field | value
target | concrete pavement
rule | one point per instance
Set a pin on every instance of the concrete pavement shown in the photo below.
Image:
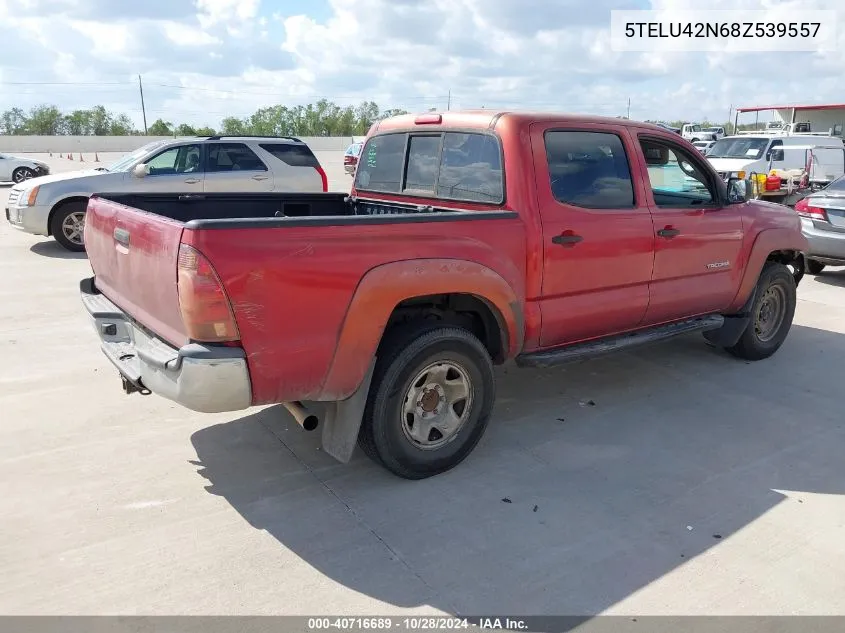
(670, 480)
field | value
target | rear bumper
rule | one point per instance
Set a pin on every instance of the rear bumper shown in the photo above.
(206, 378)
(827, 247)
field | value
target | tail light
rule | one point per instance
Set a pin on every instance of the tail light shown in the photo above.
(206, 311)
(805, 210)
(323, 177)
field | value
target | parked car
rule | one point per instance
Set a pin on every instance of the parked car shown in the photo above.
(55, 205)
(694, 132)
(703, 146)
(676, 130)
(823, 224)
(715, 132)
(18, 169)
(468, 239)
(350, 158)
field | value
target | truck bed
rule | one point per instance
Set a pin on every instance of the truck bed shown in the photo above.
(234, 207)
(289, 278)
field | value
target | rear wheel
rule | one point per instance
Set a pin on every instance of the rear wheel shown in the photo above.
(22, 173)
(771, 315)
(814, 267)
(430, 400)
(68, 225)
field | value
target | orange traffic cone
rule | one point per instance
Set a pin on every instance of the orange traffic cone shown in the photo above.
(81, 160)
(96, 158)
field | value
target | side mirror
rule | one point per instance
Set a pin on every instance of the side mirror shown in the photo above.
(140, 170)
(777, 154)
(739, 191)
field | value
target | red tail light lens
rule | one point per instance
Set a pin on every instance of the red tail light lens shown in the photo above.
(206, 311)
(323, 177)
(804, 209)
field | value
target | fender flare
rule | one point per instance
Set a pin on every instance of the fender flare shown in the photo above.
(384, 287)
(766, 242)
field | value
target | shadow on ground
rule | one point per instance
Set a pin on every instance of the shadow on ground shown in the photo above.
(834, 277)
(603, 465)
(53, 249)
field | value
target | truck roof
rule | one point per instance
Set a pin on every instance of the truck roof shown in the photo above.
(495, 119)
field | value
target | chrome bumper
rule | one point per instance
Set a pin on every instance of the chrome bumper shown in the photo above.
(206, 378)
(34, 219)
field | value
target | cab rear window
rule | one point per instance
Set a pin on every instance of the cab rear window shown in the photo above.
(463, 166)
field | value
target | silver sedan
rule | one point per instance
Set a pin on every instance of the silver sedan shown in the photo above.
(823, 224)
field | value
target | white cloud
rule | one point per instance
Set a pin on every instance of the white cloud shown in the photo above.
(204, 59)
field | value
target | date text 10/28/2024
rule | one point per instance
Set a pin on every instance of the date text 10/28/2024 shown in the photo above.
(420, 623)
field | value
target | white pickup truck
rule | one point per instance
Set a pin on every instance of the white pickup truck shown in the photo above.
(694, 132)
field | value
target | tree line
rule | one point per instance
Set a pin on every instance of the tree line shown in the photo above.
(323, 118)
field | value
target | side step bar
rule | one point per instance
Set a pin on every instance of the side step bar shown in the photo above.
(589, 349)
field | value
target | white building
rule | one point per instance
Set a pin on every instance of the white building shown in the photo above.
(821, 117)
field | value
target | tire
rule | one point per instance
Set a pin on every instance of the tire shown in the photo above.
(771, 315)
(21, 174)
(814, 267)
(424, 364)
(65, 219)
(695, 140)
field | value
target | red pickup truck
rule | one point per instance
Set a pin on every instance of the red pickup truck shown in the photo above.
(469, 239)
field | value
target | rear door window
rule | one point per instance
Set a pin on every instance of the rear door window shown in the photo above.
(233, 157)
(589, 169)
(292, 154)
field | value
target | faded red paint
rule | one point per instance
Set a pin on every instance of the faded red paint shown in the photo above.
(766, 242)
(291, 291)
(383, 288)
(311, 303)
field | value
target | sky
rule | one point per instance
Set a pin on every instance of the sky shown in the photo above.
(202, 60)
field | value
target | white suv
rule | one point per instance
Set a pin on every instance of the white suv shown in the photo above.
(55, 205)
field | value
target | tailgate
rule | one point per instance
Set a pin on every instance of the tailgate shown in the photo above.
(133, 254)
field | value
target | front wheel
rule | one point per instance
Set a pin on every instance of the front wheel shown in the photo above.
(21, 174)
(771, 315)
(68, 226)
(430, 400)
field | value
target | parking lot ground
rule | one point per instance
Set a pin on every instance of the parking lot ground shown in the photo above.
(670, 480)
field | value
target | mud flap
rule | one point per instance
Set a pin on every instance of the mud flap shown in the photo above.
(735, 324)
(342, 420)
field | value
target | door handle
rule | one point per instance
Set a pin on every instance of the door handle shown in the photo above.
(192, 181)
(259, 177)
(567, 239)
(668, 232)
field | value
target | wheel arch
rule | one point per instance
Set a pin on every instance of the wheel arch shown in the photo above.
(779, 245)
(456, 292)
(61, 203)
